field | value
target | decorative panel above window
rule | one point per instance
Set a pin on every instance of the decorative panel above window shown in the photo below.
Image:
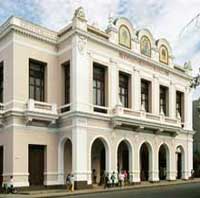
(163, 55)
(145, 46)
(124, 36)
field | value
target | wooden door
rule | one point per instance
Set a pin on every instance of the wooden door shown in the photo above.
(36, 165)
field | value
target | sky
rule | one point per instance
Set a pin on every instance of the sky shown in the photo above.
(165, 19)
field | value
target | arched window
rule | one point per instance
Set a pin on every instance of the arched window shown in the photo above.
(163, 54)
(124, 36)
(145, 46)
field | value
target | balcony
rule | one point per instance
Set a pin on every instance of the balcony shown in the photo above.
(41, 112)
(64, 109)
(141, 121)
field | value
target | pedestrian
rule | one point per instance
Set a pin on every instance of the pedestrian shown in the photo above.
(106, 180)
(72, 183)
(11, 185)
(125, 177)
(113, 179)
(94, 177)
(121, 179)
(68, 183)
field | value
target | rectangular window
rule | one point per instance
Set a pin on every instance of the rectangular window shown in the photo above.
(145, 95)
(98, 86)
(164, 100)
(36, 80)
(67, 82)
(1, 82)
(124, 89)
(180, 104)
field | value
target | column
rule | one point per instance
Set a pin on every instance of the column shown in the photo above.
(188, 109)
(136, 90)
(155, 95)
(80, 66)
(153, 167)
(172, 172)
(136, 166)
(114, 84)
(79, 152)
(172, 100)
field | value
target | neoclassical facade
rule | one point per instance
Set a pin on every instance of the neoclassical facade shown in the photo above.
(88, 101)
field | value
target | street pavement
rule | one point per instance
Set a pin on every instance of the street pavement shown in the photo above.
(163, 189)
(179, 191)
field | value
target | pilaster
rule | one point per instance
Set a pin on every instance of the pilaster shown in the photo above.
(136, 90)
(172, 100)
(156, 95)
(79, 152)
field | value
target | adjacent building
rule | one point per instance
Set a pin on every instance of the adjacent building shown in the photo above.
(87, 101)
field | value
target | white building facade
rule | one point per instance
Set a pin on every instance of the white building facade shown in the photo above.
(87, 101)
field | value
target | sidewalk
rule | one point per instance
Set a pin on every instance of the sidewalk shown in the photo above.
(60, 192)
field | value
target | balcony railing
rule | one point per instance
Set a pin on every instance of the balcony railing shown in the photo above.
(42, 107)
(2, 107)
(146, 116)
(64, 108)
(41, 111)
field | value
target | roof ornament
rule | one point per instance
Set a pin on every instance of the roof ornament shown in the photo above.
(80, 13)
(110, 21)
(188, 66)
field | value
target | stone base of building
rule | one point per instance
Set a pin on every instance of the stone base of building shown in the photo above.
(79, 185)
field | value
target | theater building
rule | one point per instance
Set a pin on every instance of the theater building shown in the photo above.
(87, 101)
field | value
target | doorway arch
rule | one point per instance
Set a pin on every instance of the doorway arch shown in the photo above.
(145, 161)
(163, 162)
(99, 160)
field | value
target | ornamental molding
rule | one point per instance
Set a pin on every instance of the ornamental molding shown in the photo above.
(82, 43)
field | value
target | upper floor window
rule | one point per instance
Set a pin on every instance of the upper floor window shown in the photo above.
(164, 100)
(124, 36)
(145, 95)
(67, 82)
(37, 80)
(1, 82)
(98, 86)
(163, 54)
(145, 46)
(124, 89)
(180, 104)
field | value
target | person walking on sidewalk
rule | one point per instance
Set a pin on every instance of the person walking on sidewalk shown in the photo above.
(72, 183)
(125, 177)
(68, 183)
(106, 180)
(113, 179)
(121, 179)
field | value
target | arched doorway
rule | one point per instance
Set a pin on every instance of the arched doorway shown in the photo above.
(98, 161)
(67, 157)
(180, 161)
(163, 162)
(123, 159)
(145, 159)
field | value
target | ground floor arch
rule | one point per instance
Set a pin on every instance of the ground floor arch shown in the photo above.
(179, 162)
(64, 159)
(124, 158)
(67, 157)
(163, 162)
(99, 153)
(145, 161)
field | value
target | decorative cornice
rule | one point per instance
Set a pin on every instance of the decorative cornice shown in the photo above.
(52, 37)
